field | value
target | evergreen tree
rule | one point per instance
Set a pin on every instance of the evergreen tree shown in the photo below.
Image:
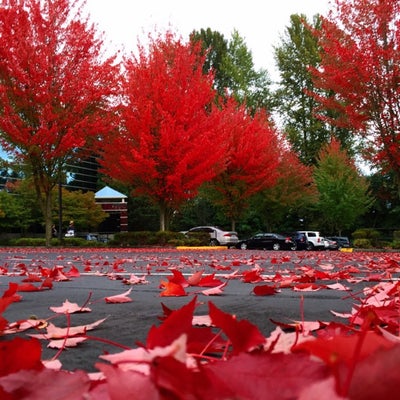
(234, 71)
(343, 191)
(298, 52)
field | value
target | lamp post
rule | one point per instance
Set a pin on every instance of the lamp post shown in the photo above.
(59, 203)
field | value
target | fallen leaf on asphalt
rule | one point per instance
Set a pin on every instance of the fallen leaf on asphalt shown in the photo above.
(202, 320)
(54, 332)
(69, 308)
(69, 342)
(21, 326)
(119, 298)
(171, 289)
(135, 280)
(338, 286)
(215, 291)
(194, 279)
(264, 290)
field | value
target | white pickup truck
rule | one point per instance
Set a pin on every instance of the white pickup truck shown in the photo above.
(312, 240)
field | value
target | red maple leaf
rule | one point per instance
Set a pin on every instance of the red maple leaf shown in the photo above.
(177, 323)
(178, 278)
(272, 376)
(252, 276)
(27, 287)
(34, 384)
(119, 298)
(128, 384)
(343, 353)
(171, 289)
(243, 335)
(18, 354)
(10, 294)
(209, 281)
(264, 290)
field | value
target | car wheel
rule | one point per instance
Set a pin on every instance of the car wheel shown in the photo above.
(293, 247)
(276, 246)
(214, 242)
(310, 246)
(243, 246)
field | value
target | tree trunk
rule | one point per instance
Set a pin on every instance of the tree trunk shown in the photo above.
(48, 218)
(163, 212)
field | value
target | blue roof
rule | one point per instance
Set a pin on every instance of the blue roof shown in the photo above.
(109, 193)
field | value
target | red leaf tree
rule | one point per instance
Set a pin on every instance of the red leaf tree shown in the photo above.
(360, 68)
(55, 88)
(171, 140)
(253, 156)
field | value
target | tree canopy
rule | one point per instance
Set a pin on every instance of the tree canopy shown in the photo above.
(298, 51)
(171, 139)
(56, 89)
(359, 72)
(233, 67)
(253, 155)
(343, 192)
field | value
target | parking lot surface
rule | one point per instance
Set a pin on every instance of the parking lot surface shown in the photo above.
(92, 275)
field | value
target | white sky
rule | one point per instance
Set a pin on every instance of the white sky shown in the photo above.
(260, 23)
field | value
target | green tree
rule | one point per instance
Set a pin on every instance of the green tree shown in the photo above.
(81, 208)
(14, 215)
(234, 71)
(18, 208)
(215, 48)
(299, 50)
(343, 191)
(385, 212)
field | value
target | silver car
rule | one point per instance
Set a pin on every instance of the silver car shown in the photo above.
(218, 237)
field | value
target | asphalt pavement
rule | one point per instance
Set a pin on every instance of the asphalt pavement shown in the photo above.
(102, 274)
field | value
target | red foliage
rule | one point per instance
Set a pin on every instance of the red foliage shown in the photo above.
(359, 73)
(43, 110)
(55, 89)
(19, 354)
(264, 290)
(243, 335)
(253, 154)
(170, 124)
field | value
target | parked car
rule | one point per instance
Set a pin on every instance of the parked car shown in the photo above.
(342, 241)
(268, 241)
(308, 240)
(218, 237)
(330, 244)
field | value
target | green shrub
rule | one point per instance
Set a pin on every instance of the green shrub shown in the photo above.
(66, 242)
(26, 241)
(396, 236)
(367, 233)
(203, 238)
(78, 242)
(395, 244)
(160, 238)
(164, 237)
(363, 243)
(148, 238)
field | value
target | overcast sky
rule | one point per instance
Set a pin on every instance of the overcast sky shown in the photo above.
(260, 23)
